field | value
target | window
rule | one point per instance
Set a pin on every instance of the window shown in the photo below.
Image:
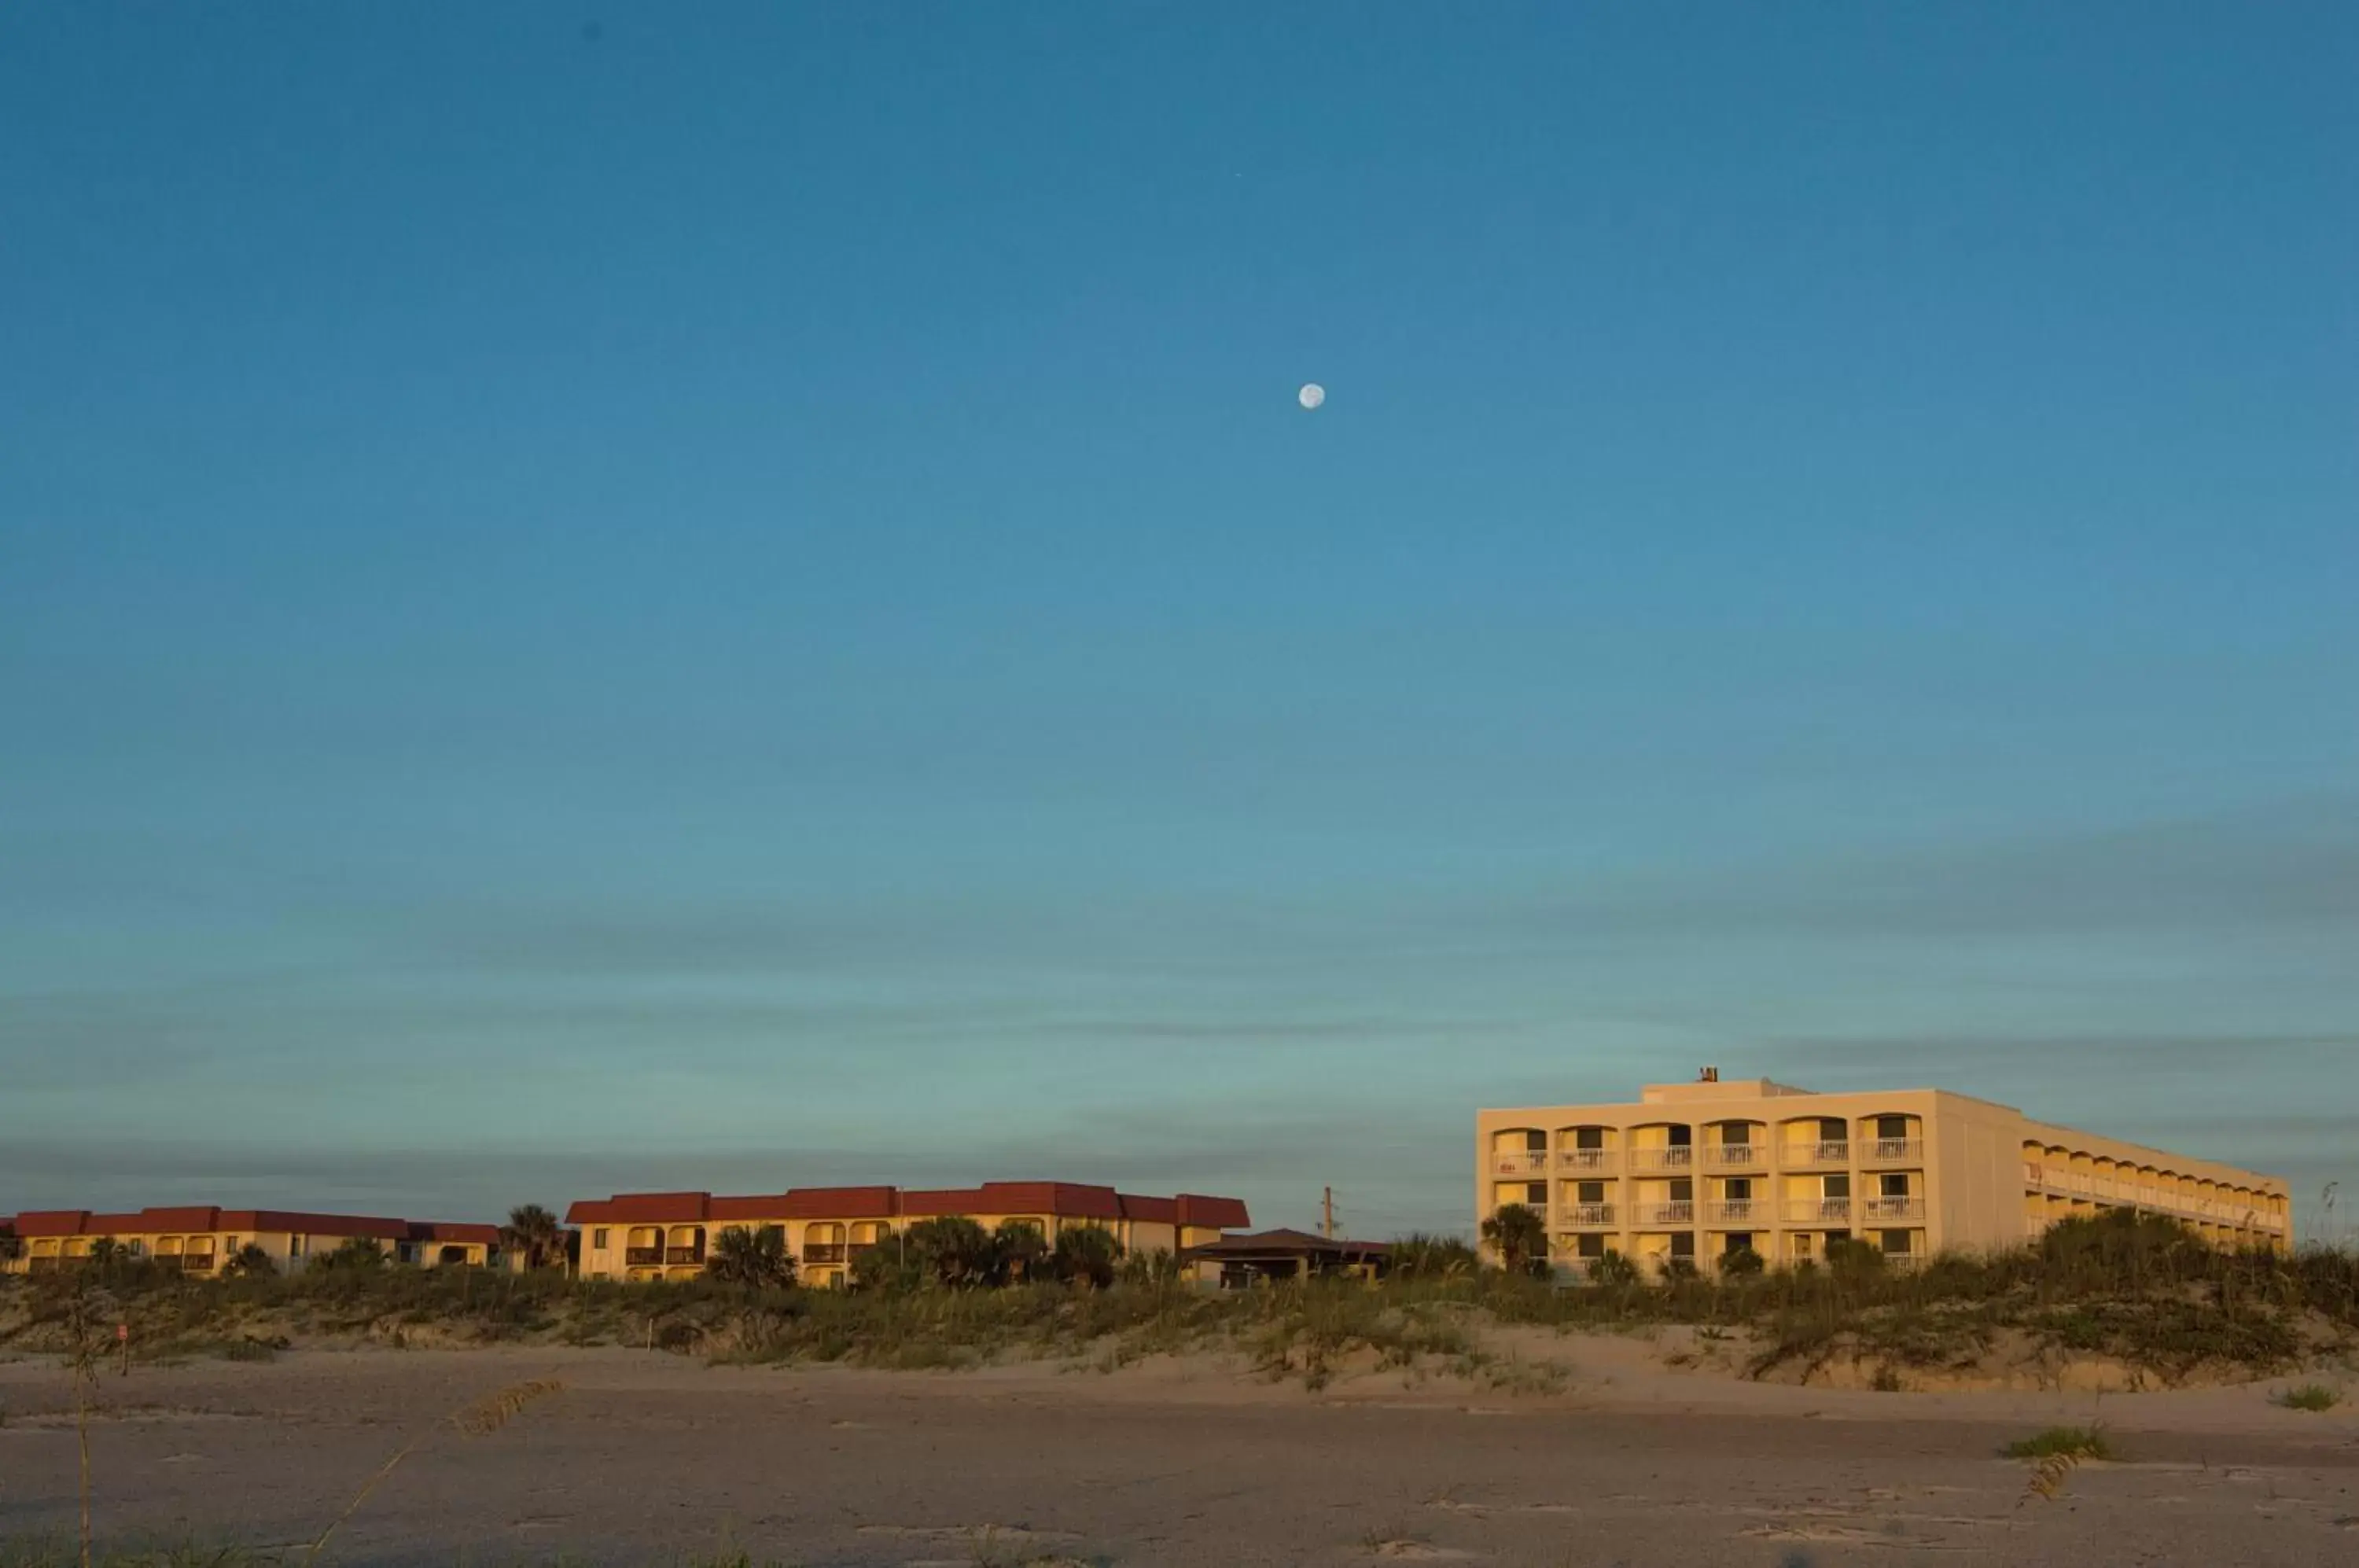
(1834, 1130)
(1896, 1244)
(1892, 1126)
(1738, 1241)
(1683, 1244)
(1836, 1187)
(138, 1247)
(1535, 1194)
(1736, 1133)
(598, 1240)
(1740, 1188)
(1679, 1137)
(1589, 1192)
(1836, 1236)
(1536, 1142)
(1894, 1185)
(294, 1247)
(1588, 1138)
(1590, 1245)
(1682, 1189)
(778, 1231)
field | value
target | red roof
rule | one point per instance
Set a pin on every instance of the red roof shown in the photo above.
(639, 1208)
(444, 1230)
(1213, 1213)
(190, 1217)
(1062, 1200)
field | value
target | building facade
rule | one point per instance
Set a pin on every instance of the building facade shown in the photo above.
(201, 1240)
(663, 1235)
(1700, 1170)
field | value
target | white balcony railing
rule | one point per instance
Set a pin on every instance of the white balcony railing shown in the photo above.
(1589, 1216)
(1677, 1157)
(1736, 1156)
(1585, 1158)
(1740, 1212)
(1826, 1151)
(1893, 1151)
(1681, 1213)
(1818, 1211)
(1875, 1209)
(1520, 1163)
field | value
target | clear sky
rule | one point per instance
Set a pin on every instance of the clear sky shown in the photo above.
(599, 596)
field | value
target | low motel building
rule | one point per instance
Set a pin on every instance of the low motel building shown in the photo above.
(201, 1240)
(1700, 1170)
(663, 1235)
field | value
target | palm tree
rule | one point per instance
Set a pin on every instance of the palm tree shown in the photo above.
(757, 1258)
(536, 1234)
(357, 1252)
(1519, 1235)
(1086, 1254)
(1021, 1249)
(248, 1262)
(1420, 1256)
(954, 1251)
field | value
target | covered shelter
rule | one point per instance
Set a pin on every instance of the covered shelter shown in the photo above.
(1239, 1262)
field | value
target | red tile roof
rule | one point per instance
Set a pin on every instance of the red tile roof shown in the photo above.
(188, 1217)
(444, 1230)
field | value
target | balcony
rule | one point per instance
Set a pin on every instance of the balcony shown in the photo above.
(40, 1265)
(1677, 1157)
(1589, 1216)
(1738, 1211)
(1519, 1162)
(1818, 1212)
(647, 1257)
(1736, 1156)
(195, 1262)
(1681, 1213)
(1878, 1209)
(830, 1251)
(1826, 1151)
(1585, 1158)
(673, 1254)
(1893, 1151)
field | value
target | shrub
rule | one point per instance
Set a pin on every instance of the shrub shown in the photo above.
(2069, 1442)
(1421, 1256)
(2308, 1397)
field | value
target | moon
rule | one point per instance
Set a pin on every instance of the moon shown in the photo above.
(1311, 395)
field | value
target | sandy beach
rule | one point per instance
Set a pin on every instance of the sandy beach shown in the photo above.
(651, 1457)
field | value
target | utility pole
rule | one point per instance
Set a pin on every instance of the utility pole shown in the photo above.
(1327, 1213)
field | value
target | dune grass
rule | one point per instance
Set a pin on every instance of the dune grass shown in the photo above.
(2137, 1289)
(2308, 1397)
(2074, 1442)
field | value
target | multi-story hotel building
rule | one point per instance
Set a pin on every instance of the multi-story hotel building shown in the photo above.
(200, 1240)
(1702, 1169)
(663, 1235)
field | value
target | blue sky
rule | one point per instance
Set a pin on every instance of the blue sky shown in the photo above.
(595, 597)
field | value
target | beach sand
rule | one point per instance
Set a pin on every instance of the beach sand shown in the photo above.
(649, 1457)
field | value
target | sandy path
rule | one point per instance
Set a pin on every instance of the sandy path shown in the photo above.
(651, 1457)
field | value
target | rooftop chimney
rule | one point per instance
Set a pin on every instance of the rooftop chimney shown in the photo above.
(1708, 1075)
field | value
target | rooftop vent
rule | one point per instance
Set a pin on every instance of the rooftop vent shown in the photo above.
(1707, 1075)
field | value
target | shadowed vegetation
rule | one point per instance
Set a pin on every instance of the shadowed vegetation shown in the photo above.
(948, 1294)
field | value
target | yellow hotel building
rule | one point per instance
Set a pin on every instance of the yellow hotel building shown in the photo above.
(202, 1239)
(665, 1236)
(1702, 1169)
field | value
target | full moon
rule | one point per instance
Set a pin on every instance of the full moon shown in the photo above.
(1311, 395)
